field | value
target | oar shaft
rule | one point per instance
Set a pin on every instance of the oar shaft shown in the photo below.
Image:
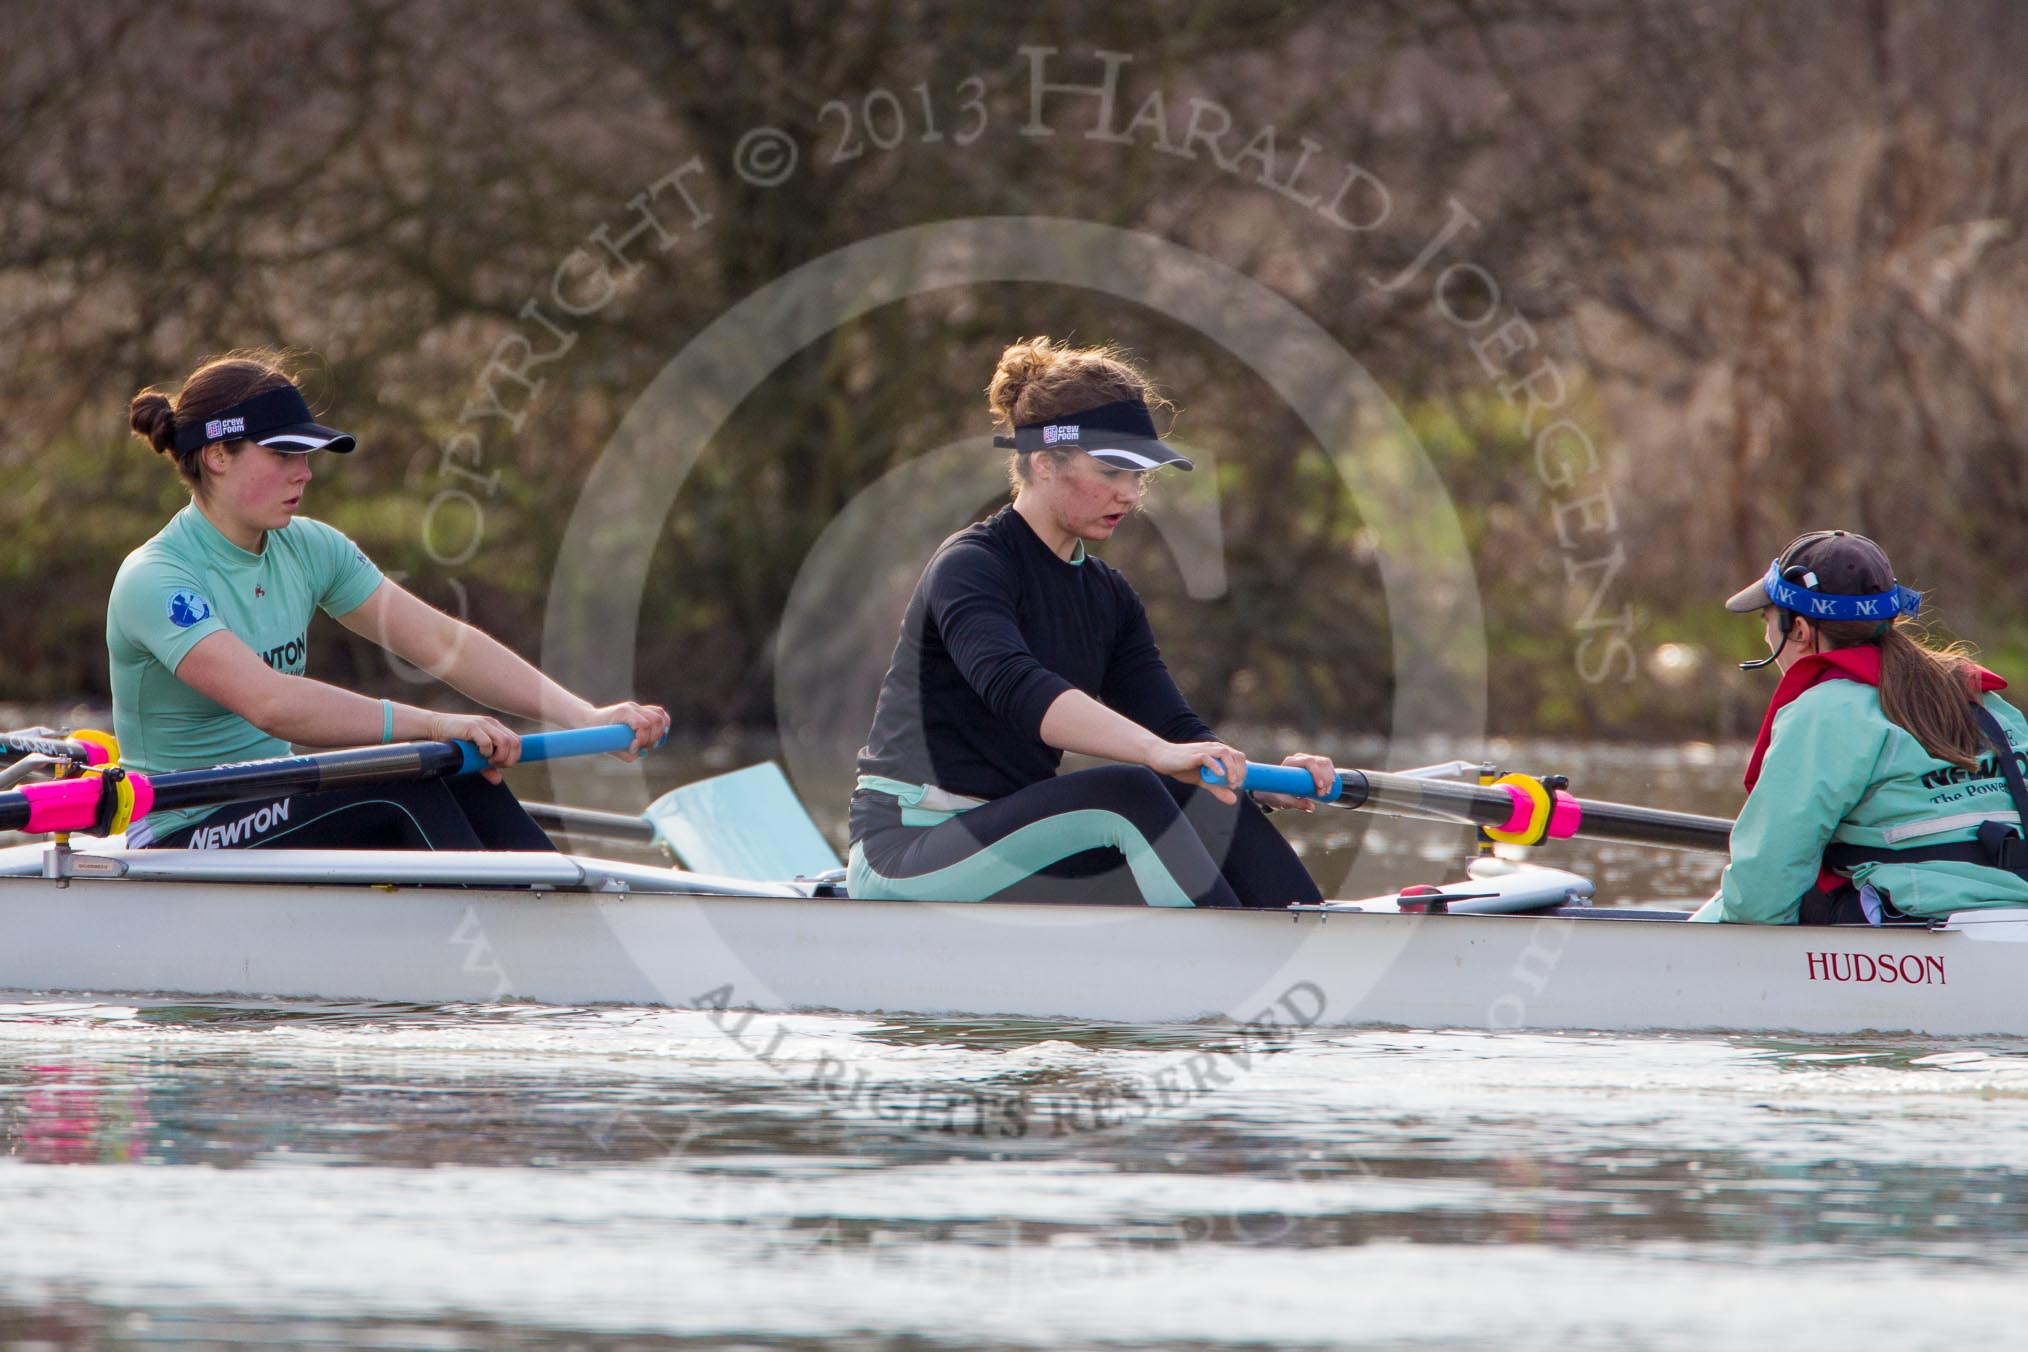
(584, 821)
(404, 762)
(401, 763)
(1497, 806)
(70, 805)
(1493, 806)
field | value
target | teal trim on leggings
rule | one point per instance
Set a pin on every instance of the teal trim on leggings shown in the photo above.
(1021, 854)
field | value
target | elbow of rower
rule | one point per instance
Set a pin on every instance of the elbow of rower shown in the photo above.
(1024, 698)
(1001, 690)
(275, 706)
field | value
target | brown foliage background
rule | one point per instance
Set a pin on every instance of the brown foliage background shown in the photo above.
(1772, 251)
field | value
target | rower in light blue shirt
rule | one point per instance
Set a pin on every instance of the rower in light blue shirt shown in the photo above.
(207, 633)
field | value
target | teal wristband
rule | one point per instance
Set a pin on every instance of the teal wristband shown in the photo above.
(386, 721)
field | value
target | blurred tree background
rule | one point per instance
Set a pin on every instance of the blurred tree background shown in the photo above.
(1765, 261)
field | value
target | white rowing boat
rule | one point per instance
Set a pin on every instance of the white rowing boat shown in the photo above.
(559, 928)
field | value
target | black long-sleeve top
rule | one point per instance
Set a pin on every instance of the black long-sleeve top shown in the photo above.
(997, 629)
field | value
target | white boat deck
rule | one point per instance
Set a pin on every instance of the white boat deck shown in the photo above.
(564, 929)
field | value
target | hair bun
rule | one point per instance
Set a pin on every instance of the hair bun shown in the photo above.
(1038, 379)
(153, 421)
(1022, 365)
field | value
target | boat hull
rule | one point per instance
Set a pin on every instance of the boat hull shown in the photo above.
(430, 943)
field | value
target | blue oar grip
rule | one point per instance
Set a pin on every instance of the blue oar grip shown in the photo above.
(1293, 780)
(542, 746)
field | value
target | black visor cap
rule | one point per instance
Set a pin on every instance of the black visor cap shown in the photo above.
(1121, 434)
(277, 418)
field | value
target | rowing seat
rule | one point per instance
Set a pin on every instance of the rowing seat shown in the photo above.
(746, 824)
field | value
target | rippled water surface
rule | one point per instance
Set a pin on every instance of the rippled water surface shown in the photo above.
(382, 1176)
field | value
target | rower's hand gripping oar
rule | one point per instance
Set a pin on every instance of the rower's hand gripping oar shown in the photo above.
(542, 746)
(110, 800)
(1515, 809)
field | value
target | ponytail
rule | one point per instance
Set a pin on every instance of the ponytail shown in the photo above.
(1927, 692)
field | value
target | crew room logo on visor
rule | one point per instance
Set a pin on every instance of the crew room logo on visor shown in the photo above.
(224, 427)
(1055, 432)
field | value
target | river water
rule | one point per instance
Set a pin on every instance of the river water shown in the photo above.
(239, 1173)
(181, 1175)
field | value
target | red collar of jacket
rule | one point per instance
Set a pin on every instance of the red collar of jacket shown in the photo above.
(1860, 664)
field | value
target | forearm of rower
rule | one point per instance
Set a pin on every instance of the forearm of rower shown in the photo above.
(483, 669)
(296, 709)
(308, 713)
(1077, 722)
(464, 657)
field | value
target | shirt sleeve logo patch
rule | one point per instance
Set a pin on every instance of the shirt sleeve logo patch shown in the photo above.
(187, 608)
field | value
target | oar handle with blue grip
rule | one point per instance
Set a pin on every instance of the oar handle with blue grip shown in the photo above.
(542, 746)
(110, 799)
(1293, 780)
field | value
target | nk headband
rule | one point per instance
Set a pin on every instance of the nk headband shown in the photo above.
(1824, 606)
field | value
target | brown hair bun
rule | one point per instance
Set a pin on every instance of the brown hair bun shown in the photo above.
(1038, 379)
(153, 421)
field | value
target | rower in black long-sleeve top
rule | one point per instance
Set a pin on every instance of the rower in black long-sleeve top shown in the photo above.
(1017, 646)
